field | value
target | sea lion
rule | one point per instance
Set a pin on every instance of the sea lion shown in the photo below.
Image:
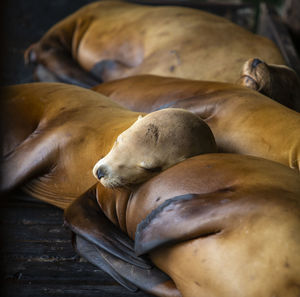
(242, 120)
(107, 40)
(278, 82)
(68, 122)
(60, 130)
(58, 133)
(218, 224)
(152, 144)
(54, 127)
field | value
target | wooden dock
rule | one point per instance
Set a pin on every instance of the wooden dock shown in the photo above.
(38, 257)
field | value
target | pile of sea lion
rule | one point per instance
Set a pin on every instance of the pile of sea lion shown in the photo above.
(199, 191)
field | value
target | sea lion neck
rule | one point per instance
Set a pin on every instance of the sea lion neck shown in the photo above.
(113, 203)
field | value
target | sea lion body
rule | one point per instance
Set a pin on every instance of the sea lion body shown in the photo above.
(55, 142)
(242, 120)
(237, 233)
(114, 39)
(62, 130)
(57, 131)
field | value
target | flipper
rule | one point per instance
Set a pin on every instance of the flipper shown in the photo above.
(129, 276)
(184, 217)
(102, 259)
(33, 157)
(85, 218)
(106, 246)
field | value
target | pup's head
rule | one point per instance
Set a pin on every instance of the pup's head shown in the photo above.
(278, 82)
(152, 144)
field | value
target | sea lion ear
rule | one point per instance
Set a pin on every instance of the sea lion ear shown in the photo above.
(140, 117)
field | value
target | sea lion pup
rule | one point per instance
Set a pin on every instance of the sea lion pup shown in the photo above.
(107, 40)
(152, 144)
(242, 120)
(219, 225)
(275, 81)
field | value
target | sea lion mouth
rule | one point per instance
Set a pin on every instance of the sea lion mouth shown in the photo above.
(249, 82)
(255, 62)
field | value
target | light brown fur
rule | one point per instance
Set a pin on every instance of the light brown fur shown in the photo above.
(152, 144)
(58, 133)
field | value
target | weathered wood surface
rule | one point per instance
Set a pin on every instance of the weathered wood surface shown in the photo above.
(38, 257)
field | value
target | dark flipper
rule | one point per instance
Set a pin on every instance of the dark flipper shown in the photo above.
(102, 259)
(85, 218)
(104, 245)
(184, 217)
(130, 276)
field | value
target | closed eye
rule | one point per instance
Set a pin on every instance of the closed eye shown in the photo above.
(153, 169)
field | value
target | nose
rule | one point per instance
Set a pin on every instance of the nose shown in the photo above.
(256, 62)
(100, 172)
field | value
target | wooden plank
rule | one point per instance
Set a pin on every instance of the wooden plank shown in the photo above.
(38, 258)
(31, 289)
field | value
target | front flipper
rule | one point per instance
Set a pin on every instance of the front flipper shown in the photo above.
(184, 217)
(106, 246)
(35, 156)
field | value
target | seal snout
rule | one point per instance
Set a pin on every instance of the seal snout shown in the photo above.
(101, 172)
(255, 62)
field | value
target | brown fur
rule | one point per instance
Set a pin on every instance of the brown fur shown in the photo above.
(242, 121)
(275, 81)
(246, 242)
(58, 133)
(115, 39)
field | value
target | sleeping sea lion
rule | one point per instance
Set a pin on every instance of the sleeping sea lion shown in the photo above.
(220, 225)
(60, 130)
(153, 144)
(64, 122)
(107, 40)
(243, 121)
(54, 127)
(278, 82)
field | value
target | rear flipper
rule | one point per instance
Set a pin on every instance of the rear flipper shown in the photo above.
(278, 82)
(106, 246)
